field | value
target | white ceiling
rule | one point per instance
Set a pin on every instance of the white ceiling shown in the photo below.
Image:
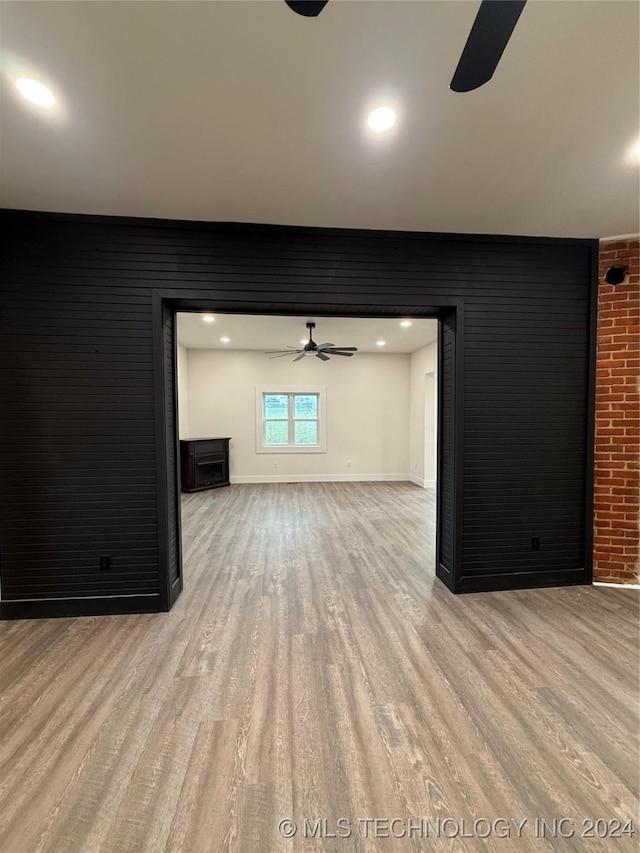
(252, 332)
(246, 112)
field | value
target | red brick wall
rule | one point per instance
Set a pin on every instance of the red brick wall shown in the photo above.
(615, 543)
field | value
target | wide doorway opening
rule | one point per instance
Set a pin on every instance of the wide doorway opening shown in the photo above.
(307, 454)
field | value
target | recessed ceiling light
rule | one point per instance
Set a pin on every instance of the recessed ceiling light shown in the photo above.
(632, 155)
(381, 119)
(380, 343)
(34, 91)
(405, 324)
(208, 318)
(225, 340)
(304, 341)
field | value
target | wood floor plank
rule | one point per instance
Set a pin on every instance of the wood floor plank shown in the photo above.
(315, 668)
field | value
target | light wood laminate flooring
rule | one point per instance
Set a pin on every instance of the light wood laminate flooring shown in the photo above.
(314, 668)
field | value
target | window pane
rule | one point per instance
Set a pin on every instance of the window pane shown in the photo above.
(305, 406)
(306, 432)
(276, 432)
(276, 406)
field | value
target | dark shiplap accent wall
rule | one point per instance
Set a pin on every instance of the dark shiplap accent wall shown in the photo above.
(525, 427)
(78, 445)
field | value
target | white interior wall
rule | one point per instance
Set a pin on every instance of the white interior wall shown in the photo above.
(183, 391)
(367, 413)
(423, 431)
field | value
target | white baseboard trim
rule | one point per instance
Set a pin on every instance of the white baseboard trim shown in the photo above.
(618, 585)
(424, 484)
(318, 478)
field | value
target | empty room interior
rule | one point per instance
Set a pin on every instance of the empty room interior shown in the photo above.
(336, 447)
(319, 419)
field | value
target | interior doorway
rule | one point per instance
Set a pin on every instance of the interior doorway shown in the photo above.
(367, 419)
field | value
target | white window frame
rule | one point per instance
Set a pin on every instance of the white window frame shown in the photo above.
(320, 390)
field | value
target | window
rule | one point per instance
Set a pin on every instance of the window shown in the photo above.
(290, 420)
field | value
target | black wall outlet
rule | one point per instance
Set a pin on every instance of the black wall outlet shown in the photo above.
(105, 564)
(535, 543)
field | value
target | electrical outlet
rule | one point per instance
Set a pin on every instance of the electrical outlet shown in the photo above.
(105, 564)
(348, 464)
(535, 543)
(275, 464)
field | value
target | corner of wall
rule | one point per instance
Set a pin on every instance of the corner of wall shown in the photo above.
(616, 475)
(182, 369)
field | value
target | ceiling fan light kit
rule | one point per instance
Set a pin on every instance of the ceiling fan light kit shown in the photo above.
(321, 351)
(491, 30)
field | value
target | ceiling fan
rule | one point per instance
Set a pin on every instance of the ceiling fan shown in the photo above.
(322, 351)
(491, 30)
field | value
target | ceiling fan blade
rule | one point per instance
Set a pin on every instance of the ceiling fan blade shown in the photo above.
(302, 355)
(338, 352)
(322, 356)
(347, 349)
(282, 355)
(308, 8)
(288, 351)
(491, 30)
(325, 346)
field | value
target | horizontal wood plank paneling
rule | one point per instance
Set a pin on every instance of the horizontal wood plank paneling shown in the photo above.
(78, 449)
